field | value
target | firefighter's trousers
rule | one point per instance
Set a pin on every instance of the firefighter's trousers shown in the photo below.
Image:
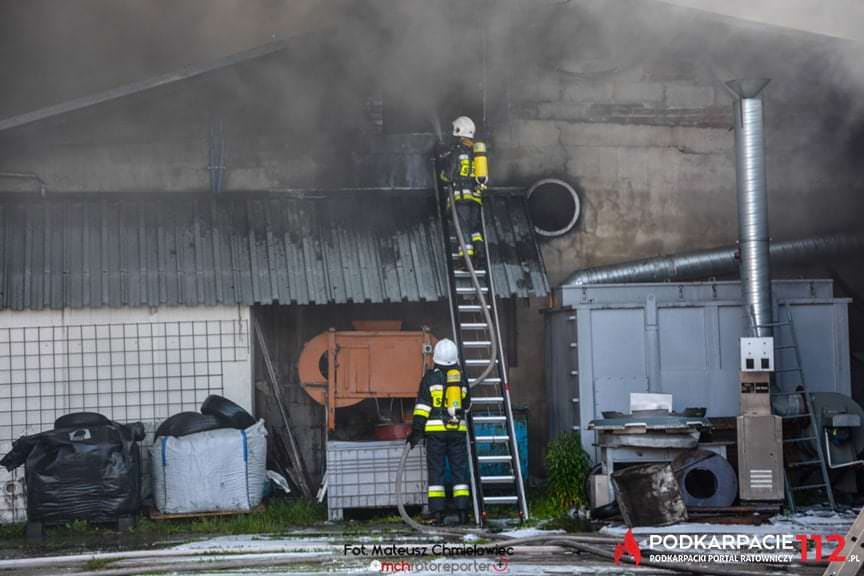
(469, 213)
(452, 446)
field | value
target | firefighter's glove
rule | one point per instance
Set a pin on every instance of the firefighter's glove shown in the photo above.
(414, 438)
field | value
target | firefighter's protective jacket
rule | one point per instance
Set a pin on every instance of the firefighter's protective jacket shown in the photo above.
(430, 411)
(456, 171)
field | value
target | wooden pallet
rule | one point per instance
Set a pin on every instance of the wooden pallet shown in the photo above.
(154, 514)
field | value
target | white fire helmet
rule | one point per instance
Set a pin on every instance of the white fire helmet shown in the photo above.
(445, 353)
(463, 127)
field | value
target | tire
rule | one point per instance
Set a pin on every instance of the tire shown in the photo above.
(606, 511)
(227, 411)
(185, 423)
(81, 420)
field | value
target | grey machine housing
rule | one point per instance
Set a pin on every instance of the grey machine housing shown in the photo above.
(607, 341)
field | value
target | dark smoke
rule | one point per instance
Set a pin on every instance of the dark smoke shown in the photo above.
(410, 62)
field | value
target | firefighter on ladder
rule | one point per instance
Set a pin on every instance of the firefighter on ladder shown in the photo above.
(440, 417)
(463, 168)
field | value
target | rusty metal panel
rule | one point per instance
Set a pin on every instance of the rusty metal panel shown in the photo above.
(369, 365)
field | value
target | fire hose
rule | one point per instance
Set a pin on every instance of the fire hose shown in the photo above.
(493, 338)
(582, 543)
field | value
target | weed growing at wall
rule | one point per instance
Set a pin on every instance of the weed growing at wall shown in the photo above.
(567, 466)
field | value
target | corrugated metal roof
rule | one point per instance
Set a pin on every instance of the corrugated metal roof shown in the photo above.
(109, 251)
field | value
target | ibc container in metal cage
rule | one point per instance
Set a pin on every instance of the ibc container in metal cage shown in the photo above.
(363, 475)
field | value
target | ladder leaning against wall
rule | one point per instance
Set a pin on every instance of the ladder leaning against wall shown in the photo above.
(496, 476)
(799, 422)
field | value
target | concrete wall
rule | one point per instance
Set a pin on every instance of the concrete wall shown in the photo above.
(807, 15)
(128, 364)
(651, 151)
(527, 377)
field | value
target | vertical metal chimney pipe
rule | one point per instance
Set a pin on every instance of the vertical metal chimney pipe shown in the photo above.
(752, 202)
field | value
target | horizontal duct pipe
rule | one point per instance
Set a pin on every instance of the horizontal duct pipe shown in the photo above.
(716, 262)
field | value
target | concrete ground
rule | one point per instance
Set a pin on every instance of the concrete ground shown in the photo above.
(350, 548)
(311, 552)
(337, 551)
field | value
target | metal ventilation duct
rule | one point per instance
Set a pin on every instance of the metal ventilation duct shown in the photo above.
(716, 262)
(752, 201)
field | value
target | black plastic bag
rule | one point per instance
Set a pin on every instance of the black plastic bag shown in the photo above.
(79, 419)
(185, 423)
(88, 473)
(227, 411)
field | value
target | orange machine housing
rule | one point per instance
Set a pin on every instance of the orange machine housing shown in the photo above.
(375, 361)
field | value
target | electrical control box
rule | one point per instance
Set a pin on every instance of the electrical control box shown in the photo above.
(760, 458)
(757, 354)
(760, 440)
(756, 394)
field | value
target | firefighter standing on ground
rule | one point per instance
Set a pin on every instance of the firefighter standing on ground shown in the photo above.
(440, 418)
(463, 169)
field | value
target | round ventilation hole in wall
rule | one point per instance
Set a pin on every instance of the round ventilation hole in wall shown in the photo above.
(554, 206)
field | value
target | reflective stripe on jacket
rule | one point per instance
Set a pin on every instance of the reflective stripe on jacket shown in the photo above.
(430, 412)
(457, 172)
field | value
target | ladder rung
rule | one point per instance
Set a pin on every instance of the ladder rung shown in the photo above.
(470, 290)
(472, 307)
(788, 370)
(796, 416)
(804, 463)
(786, 347)
(488, 419)
(500, 499)
(466, 274)
(799, 439)
(488, 400)
(476, 344)
(795, 393)
(808, 487)
(485, 381)
(497, 479)
(478, 361)
(474, 326)
(492, 439)
(499, 459)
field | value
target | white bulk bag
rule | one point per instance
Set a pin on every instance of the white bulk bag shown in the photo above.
(217, 470)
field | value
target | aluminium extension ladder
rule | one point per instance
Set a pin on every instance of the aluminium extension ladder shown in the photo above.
(496, 479)
(803, 419)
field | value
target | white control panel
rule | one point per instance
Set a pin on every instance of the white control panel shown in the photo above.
(757, 354)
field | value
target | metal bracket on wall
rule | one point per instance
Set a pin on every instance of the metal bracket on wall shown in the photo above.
(27, 176)
(216, 155)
